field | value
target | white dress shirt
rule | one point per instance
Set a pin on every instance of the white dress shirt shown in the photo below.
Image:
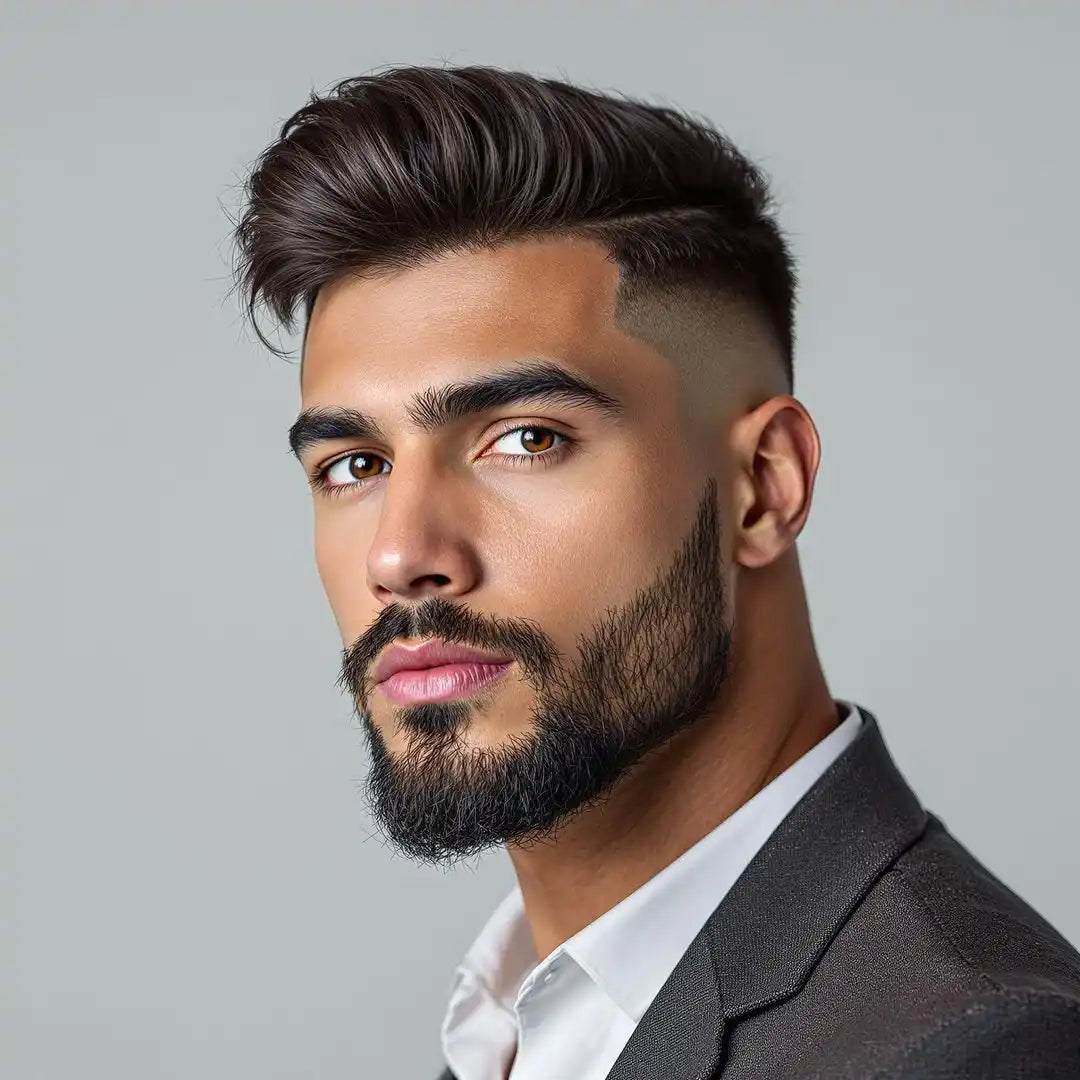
(568, 1016)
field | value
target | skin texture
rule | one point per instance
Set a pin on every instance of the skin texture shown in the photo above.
(646, 582)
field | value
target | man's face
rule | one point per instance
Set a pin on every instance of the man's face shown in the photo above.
(583, 542)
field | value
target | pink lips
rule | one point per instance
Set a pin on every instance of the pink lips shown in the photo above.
(428, 654)
(443, 683)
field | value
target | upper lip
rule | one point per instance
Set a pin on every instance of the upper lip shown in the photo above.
(430, 653)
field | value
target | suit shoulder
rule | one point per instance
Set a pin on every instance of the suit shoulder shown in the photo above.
(996, 934)
(1004, 1033)
(937, 959)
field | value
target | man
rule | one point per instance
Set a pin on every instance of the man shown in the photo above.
(558, 477)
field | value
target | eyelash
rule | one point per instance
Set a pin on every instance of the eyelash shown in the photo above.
(543, 459)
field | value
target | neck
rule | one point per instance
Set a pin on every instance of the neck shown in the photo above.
(774, 708)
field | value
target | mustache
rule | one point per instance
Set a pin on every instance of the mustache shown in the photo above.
(435, 616)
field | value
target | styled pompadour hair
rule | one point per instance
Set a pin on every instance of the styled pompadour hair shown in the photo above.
(389, 170)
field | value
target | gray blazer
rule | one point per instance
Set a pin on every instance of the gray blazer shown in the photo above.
(864, 941)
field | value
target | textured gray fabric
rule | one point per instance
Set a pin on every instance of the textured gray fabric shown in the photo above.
(864, 941)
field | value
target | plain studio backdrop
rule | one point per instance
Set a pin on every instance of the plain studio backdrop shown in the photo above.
(191, 885)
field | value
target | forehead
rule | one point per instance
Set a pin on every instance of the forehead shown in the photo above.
(465, 311)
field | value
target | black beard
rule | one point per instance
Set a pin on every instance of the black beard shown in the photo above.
(646, 672)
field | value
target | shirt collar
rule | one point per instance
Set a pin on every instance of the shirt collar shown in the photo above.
(503, 952)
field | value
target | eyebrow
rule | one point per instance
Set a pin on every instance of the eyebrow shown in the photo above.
(438, 407)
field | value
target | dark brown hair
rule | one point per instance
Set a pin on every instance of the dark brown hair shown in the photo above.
(391, 169)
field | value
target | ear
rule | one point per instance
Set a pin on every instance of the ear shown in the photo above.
(775, 452)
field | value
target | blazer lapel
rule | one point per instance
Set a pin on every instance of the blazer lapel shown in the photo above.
(761, 942)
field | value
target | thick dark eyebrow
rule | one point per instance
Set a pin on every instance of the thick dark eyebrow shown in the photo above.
(541, 381)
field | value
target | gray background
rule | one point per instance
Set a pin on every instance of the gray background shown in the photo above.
(190, 883)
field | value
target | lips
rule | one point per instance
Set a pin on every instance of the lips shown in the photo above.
(443, 683)
(430, 654)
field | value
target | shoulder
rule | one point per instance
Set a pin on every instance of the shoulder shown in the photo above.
(1003, 1035)
(979, 924)
(1000, 984)
(936, 969)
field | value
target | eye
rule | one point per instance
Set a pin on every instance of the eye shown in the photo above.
(536, 440)
(349, 470)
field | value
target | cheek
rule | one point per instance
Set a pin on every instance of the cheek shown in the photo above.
(637, 528)
(340, 561)
(594, 551)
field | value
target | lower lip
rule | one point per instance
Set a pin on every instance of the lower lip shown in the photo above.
(440, 683)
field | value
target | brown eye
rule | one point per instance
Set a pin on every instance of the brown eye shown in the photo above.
(536, 440)
(532, 438)
(356, 467)
(360, 464)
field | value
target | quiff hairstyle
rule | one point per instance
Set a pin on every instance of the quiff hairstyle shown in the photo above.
(389, 170)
